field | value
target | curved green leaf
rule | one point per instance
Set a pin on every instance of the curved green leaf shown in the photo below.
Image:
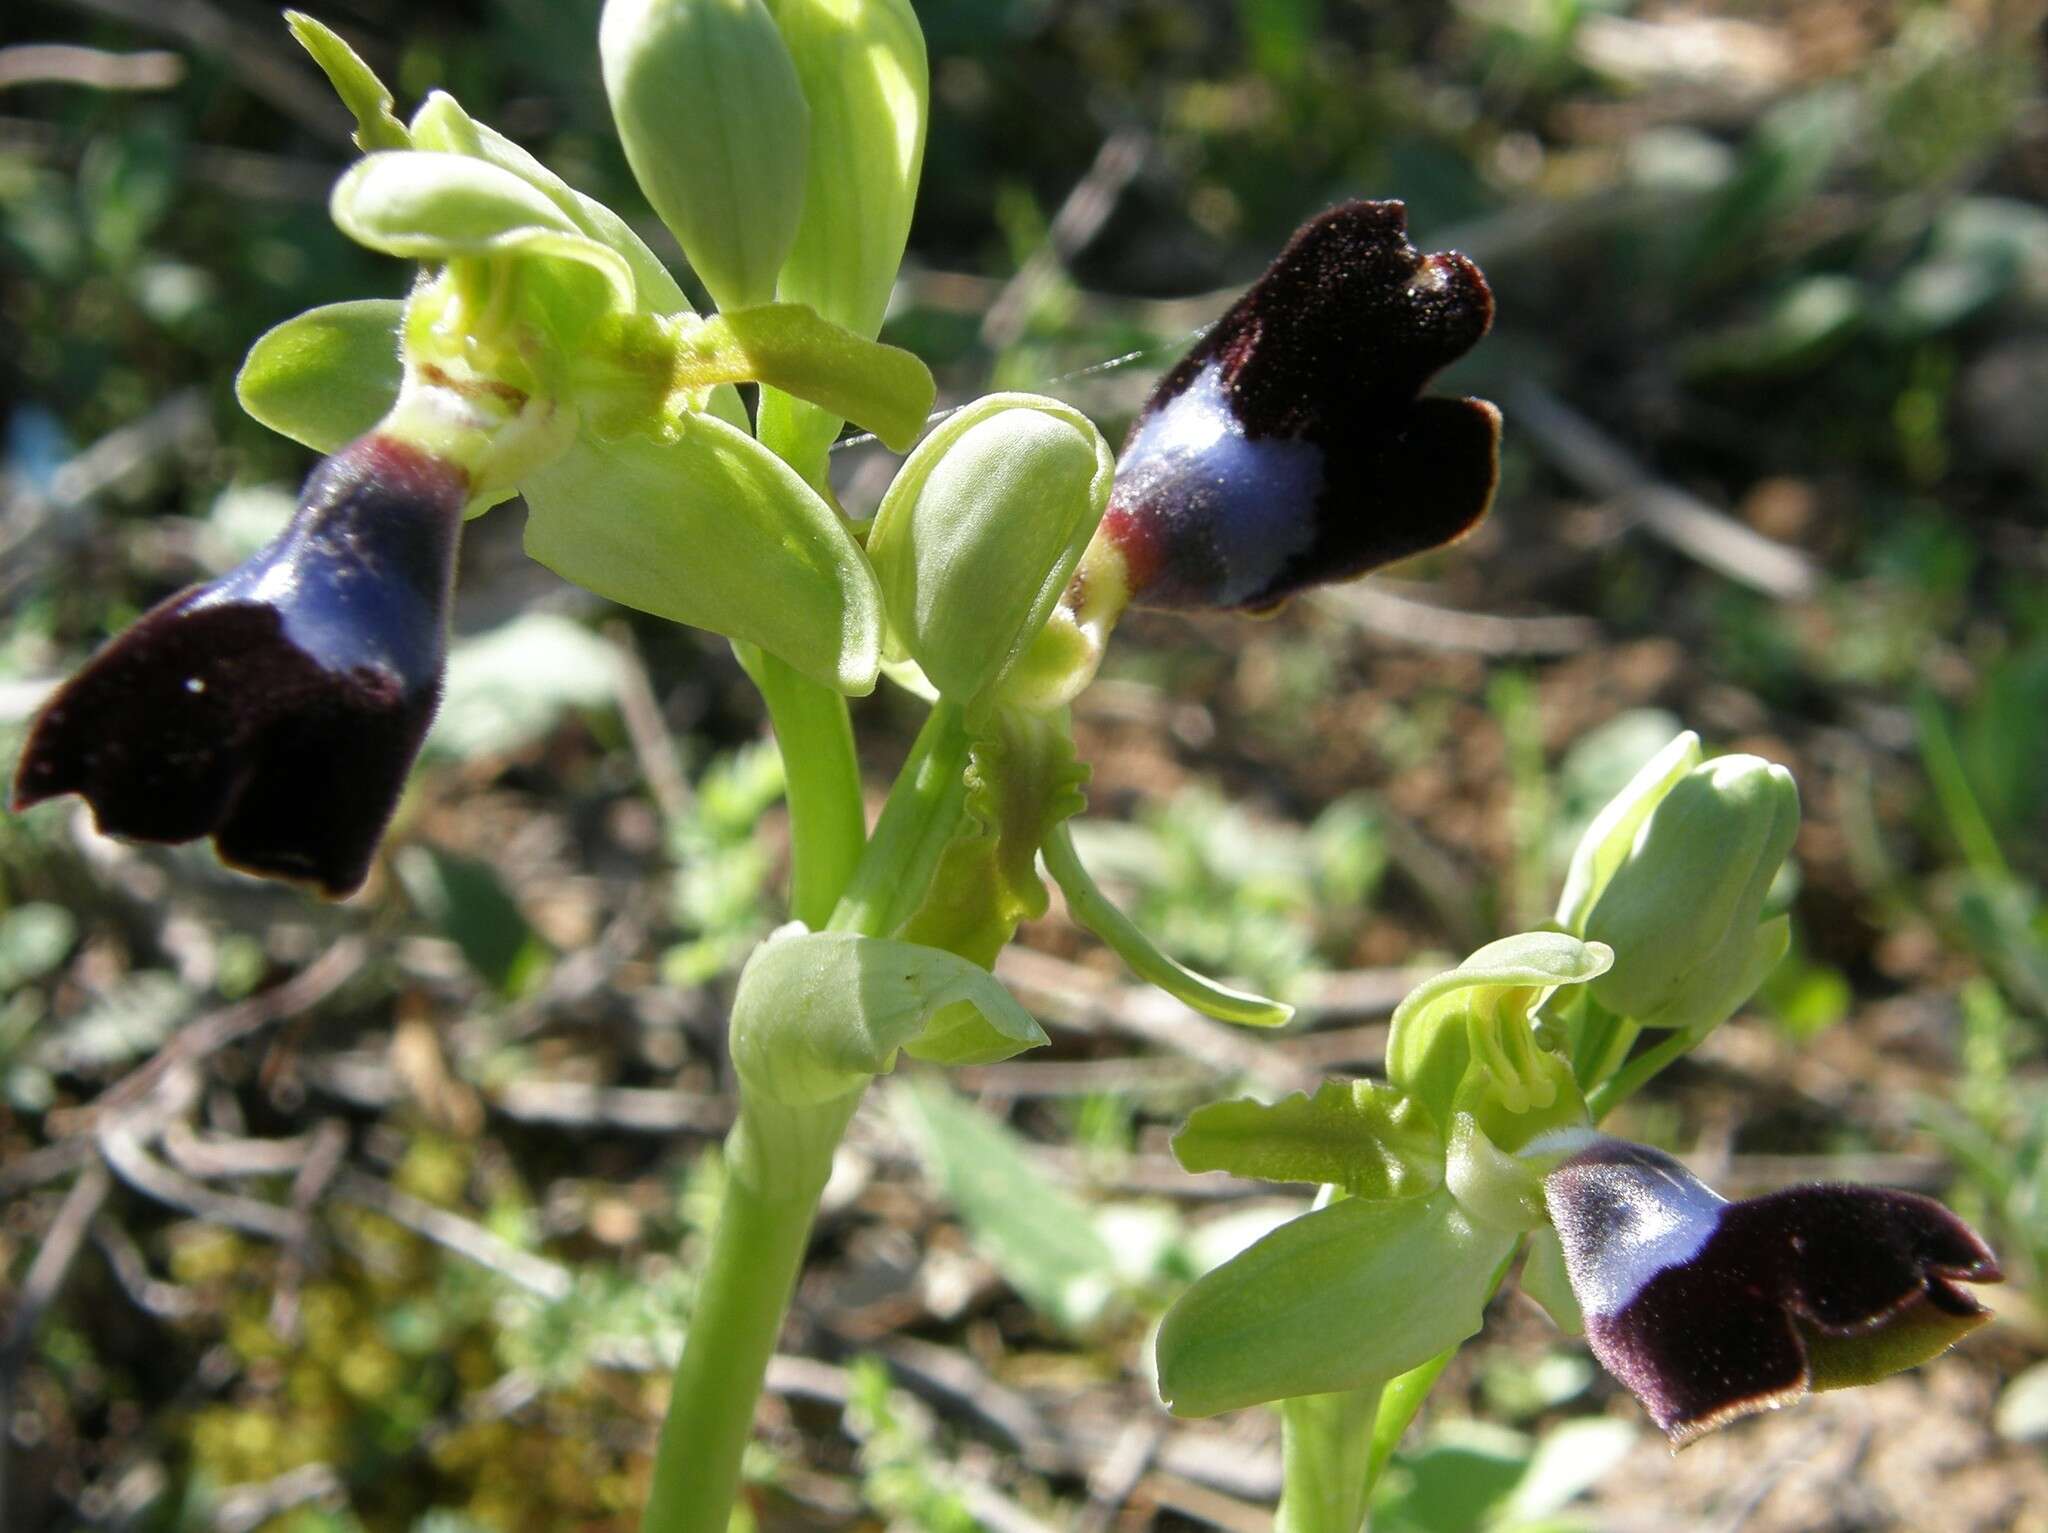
(819, 1014)
(707, 527)
(326, 376)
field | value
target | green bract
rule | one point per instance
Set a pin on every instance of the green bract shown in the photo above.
(1464, 1038)
(1020, 782)
(1348, 1295)
(703, 525)
(714, 124)
(862, 67)
(1682, 910)
(820, 1014)
(1368, 1139)
(981, 531)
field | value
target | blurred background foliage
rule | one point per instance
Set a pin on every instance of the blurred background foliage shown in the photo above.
(396, 1236)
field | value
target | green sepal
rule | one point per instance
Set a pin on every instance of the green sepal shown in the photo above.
(428, 206)
(820, 1014)
(366, 96)
(1429, 1050)
(1366, 1138)
(788, 346)
(1092, 909)
(326, 376)
(714, 123)
(1355, 1292)
(980, 533)
(1023, 779)
(705, 526)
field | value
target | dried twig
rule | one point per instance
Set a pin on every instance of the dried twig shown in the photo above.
(1112, 1481)
(1601, 466)
(653, 747)
(95, 68)
(208, 1035)
(1080, 218)
(44, 1281)
(465, 1237)
(1373, 606)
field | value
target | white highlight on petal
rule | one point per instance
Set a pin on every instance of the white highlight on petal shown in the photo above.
(1625, 1214)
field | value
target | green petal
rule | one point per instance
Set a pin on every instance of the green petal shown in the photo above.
(366, 96)
(1358, 1291)
(436, 207)
(326, 376)
(714, 123)
(787, 346)
(1365, 1138)
(1427, 1051)
(707, 527)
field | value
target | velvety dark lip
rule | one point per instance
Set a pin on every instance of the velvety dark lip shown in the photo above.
(278, 708)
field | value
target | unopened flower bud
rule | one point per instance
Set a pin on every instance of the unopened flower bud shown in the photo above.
(714, 124)
(1682, 910)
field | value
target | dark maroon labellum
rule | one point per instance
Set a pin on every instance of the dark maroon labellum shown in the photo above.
(1289, 448)
(1710, 1310)
(278, 708)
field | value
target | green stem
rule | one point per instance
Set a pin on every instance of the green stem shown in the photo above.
(1638, 1073)
(1399, 1402)
(1326, 1461)
(827, 818)
(923, 811)
(778, 1158)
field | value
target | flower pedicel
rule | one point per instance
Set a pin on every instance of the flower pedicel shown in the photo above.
(278, 708)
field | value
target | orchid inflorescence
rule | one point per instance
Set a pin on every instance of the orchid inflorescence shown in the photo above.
(544, 351)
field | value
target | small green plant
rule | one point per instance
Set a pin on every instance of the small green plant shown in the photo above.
(545, 352)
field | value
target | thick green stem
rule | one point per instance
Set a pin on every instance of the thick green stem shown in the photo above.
(1326, 1458)
(827, 819)
(778, 1158)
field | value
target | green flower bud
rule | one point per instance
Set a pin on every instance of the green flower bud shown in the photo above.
(862, 65)
(713, 119)
(1613, 830)
(981, 531)
(1681, 911)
